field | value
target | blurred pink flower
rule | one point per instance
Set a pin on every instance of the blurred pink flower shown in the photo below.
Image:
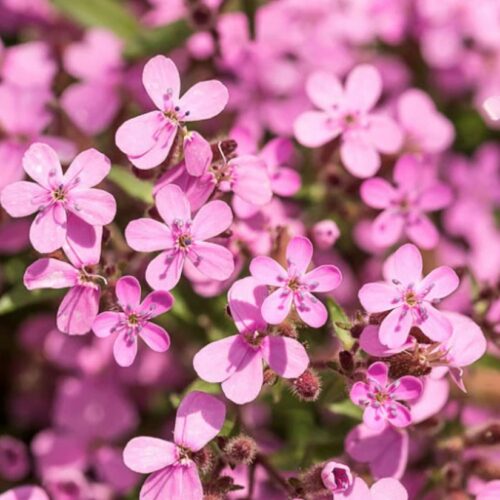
(405, 205)
(199, 419)
(409, 297)
(236, 361)
(133, 321)
(295, 285)
(348, 112)
(182, 236)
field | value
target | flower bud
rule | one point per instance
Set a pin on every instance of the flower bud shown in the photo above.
(325, 233)
(336, 477)
(308, 386)
(346, 361)
(240, 450)
(204, 460)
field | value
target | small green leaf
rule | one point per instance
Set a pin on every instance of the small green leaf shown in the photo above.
(19, 297)
(109, 14)
(158, 40)
(341, 324)
(488, 361)
(346, 408)
(201, 385)
(134, 187)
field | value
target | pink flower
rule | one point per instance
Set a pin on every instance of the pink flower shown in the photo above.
(295, 285)
(65, 203)
(336, 477)
(386, 488)
(325, 234)
(134, 320)
(492, 107)
(490, 491)
(427, 130)
(80, 305)
(405, 205)
(385, 451)
(181, 237)
(236, 361)
(380, 398)
(174, 475)
(147, 139)
(25, 493)
(348, 112)
(409, 297)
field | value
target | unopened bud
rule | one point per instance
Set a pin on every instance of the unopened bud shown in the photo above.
(204, 459)
(356, 330)
(346, 361)
(406, 363)
(240, 450)
(270, 377)
(308, 386)
(311, 480)
(376, 318)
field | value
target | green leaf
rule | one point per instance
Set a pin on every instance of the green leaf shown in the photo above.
(158, 40)
(201, 385)
(346, 408)
(341, 324)
(110, 14)
(488, 361)
(18, 297)
(134, 187)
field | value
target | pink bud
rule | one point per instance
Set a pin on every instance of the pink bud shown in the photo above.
(197, 154)
(336, 477)
(325, 234)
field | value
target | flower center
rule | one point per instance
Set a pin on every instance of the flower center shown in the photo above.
(59, 194)
(254, 338)
(294, 284)
(182, 234)
(133, 319)
(411, 298)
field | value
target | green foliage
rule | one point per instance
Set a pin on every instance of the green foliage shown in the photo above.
(113, 15)
(134, 187)
(346, 408)
(18, 297)
(341, 324)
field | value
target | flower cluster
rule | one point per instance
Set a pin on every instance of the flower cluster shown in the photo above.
(277, 279)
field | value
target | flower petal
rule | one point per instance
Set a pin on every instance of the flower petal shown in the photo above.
(162, 82)
(203, 100)
(436, 326)
(128, 292)
(155, 337)
(399, 415)
(173, 204)
(374, 418)
(395, 327)
(211, 220)
(439, 283)
(359, 157)
(125, 348)
(435, 197)
(359, 393)
(299, 253)
(422, 231)
(388, 487)
(363, 87)
(95, 206)
(164, 271)
(315, 128)
(324, 90)
(173, 482)
(199, 419)
(404, 266)
(378, 372)
(50, 273)
(379, 297)
(245, 383)
(105, 323)
(148, 454)
(267, 271)
(384, 134)
(197, 154)
(277, 306)
(156, 303)
(148, 235)
(245, 298)
(377, 193)
(88, 169)
(323, 278)
(23, 198)
(388, 227)
(286, 356)
(218, 360)
(406, 388)
(48, 230)
(78, 310)
(311, 310)
(214, 261)
(42, 164)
